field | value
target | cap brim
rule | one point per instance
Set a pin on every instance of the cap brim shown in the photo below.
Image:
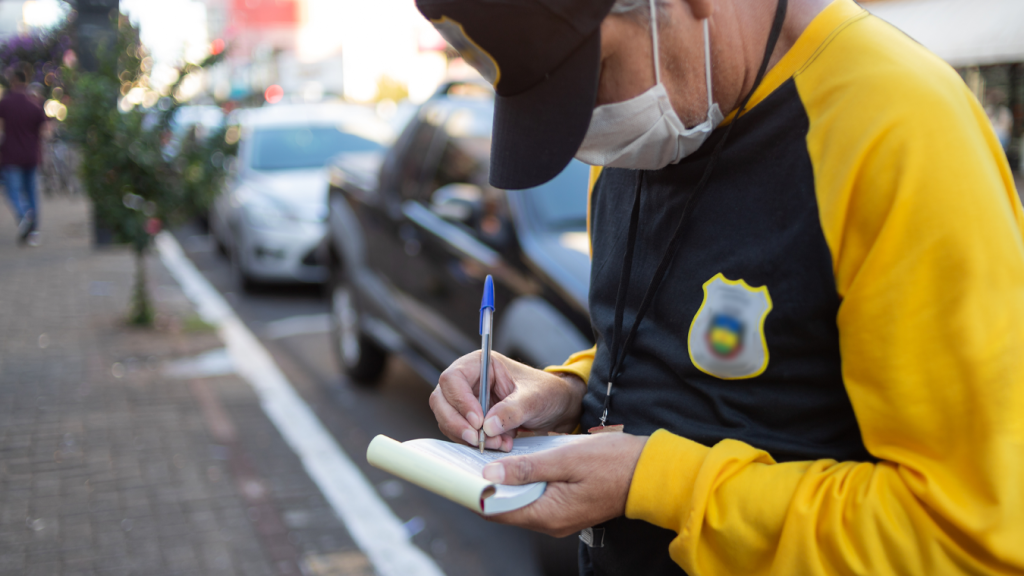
(538, 132)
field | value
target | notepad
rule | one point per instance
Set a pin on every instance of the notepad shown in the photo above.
(455, 470)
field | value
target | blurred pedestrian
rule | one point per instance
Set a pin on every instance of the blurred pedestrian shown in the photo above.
(36, 93)
(806, 291)
(1000, 116)
(22, 122)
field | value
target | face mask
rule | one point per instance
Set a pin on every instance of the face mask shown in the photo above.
(645, 133)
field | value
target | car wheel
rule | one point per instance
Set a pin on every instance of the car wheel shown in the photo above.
(238, 272)
(358, 356)
(218, 240)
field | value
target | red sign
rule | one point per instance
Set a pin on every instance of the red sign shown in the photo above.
(248, 14)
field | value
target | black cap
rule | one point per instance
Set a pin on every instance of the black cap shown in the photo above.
(544, 59)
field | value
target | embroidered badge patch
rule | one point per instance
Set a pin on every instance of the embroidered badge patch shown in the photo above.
(726, 336)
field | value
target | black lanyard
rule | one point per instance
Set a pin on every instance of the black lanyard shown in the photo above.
(619, 349)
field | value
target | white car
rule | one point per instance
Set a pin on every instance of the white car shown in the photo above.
(270, 218)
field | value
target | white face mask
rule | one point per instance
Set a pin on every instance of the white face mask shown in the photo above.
(645, 133)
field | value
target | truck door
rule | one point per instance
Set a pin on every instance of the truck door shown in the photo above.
(462, 226)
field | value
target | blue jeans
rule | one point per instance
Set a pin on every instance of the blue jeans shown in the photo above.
(21, 189)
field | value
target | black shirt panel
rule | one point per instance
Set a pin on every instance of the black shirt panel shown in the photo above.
(623, 535)
(757, 221)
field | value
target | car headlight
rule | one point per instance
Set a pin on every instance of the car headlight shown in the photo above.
(260, 211)
(265, 215)
(265, 212)
(310, 214)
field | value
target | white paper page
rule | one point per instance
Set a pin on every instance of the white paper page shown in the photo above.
(471, 460)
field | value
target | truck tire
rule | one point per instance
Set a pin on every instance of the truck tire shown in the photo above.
(359, 357)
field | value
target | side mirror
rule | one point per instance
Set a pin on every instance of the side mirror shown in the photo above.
(456, 202)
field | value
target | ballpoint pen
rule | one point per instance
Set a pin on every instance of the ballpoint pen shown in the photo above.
(486, 319)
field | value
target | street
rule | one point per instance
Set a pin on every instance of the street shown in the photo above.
(147, 451)
(241, 241)
(290, 321)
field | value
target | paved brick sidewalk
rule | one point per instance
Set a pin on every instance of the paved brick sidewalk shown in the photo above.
(107, 466)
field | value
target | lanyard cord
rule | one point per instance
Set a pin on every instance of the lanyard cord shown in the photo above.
(619, 352)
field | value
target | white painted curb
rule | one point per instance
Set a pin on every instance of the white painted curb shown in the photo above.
(373, 526)
(297, 326)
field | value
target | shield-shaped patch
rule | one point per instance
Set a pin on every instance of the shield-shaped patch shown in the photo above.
(726, 336)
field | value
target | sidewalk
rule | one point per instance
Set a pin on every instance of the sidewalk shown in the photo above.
(109, 464)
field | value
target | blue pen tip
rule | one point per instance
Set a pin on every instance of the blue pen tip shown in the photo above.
(488, 299)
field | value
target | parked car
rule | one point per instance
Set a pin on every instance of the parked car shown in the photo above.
(412, 234)
(206, 119)
(271, 216)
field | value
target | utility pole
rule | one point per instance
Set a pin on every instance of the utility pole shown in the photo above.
(96, 26)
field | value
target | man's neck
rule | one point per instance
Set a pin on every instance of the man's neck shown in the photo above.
(752, 26)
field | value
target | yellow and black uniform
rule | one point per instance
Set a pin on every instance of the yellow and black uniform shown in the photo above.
(833, 369)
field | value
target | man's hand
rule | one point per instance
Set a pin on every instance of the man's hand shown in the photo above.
(527, 399)
(588, 482)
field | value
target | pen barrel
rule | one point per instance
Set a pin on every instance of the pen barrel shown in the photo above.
(485, 360)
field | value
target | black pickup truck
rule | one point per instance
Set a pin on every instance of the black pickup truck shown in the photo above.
(414, 231)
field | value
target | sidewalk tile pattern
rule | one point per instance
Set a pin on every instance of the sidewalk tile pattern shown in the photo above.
(106, 466)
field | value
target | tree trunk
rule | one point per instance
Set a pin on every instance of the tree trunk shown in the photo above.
(141, 313)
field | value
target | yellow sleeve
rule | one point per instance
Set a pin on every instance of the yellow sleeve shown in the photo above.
(925, 228)
(578, 364)
(595, 174)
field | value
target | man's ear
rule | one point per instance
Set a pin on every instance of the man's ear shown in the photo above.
(700, 9)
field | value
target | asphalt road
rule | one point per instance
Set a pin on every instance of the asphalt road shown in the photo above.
(289, 321)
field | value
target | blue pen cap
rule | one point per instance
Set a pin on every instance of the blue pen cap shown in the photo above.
(487, 301)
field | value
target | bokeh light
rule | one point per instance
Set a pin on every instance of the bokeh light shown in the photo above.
(274, 94)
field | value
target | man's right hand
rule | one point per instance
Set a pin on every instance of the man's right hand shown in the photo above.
(524, 398)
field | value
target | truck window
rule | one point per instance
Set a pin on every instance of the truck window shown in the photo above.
(416, 154)
(462, 151)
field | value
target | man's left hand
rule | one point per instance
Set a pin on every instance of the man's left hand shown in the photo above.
(588, 482)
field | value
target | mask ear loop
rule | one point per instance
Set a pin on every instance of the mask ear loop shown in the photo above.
(707, 63)
(707, 53)
(654, 33)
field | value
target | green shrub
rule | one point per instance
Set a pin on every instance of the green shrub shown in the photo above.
(135, 186)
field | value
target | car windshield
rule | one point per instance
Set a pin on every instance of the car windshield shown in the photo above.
(562, 203)
(297, 147)
(188, 116)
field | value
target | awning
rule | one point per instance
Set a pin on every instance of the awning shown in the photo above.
(961, 32)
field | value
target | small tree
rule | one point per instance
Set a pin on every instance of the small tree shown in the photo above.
(135, 183)
(43, 51)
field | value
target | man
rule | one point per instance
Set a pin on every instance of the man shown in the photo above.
(809, 315)
(22, 120)
(1000, 116)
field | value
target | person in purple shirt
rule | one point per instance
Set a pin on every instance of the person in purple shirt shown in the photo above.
(23, 120)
